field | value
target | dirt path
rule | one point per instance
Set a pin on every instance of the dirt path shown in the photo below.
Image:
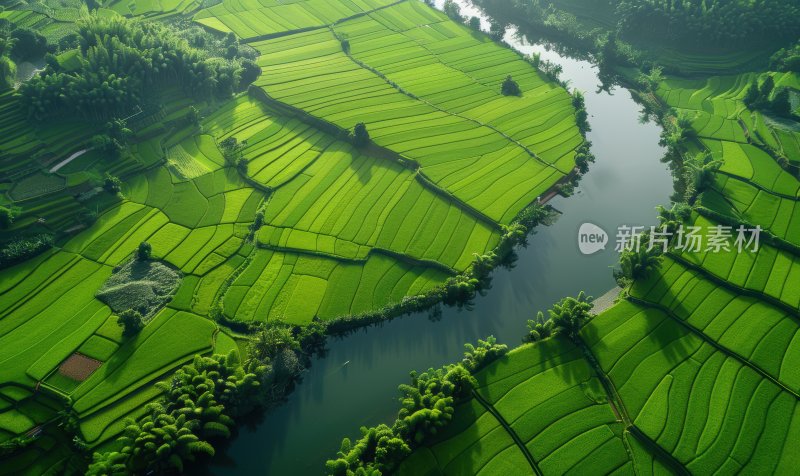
(68, 160)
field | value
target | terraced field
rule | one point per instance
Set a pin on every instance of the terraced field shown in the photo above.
(695, 369)
(539, 410)
(305, 226)
(466, 147)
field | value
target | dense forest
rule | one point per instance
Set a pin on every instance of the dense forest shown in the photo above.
(704, 24)
(719, 22)
(119, 63)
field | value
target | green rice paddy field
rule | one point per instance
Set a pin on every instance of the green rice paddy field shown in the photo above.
(696, 370)
(345, 231)
(700, 357)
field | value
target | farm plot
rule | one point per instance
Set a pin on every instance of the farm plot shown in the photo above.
(473, 442)
(769, 271)
(754, 165)
(708, 409)
(455, 149)
(152, 8)
(742, 201)
(297, 287)
(762, 334)
(550, 400)
(250, 19)
(427, 55)
(347, 204)
(47, 315)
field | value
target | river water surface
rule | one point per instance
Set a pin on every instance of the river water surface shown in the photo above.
(356, 383)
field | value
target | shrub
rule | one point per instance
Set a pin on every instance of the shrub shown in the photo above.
(112, 183)
(7, 216)
(475, 23)
(486, 352)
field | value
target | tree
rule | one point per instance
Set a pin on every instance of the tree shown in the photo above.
(7, 216)
(250, 71)
(29, 44)
(360, 135)
(144, 251)
(752, 95)
(475, 23)
(479, 356)
(452, 10)
(651, 80)
(670, 219)
(581, 116)
(538, 328)
(8, 72)
(131, 322)
(510, 87)
(497, 30)
(701, 170)
(570, 314)
(766, 87)
(193, 116)
(270, 340)
(107, 145)
(112, 184)
(637, 264)
(781, 104)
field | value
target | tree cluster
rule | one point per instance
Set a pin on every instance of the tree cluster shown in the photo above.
(581, 116)
(24, 248)
(786, 59)
(122, 64)
(199, 405)
(765, 97)
(8, 69)
(284, 351)
(637, 263)
(427, 406)
(566, 317)
(452, 10)
(18, 44)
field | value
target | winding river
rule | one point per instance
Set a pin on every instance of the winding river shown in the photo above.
(356, 383)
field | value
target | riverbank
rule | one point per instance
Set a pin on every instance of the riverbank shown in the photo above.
(355, 384)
